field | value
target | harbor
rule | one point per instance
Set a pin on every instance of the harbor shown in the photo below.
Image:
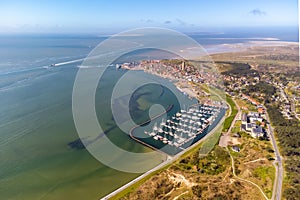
(175, 133)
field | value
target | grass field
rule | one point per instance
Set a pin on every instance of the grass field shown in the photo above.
(230, 118)
(210, 142)
(245, 105)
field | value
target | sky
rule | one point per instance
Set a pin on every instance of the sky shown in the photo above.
(60, 16)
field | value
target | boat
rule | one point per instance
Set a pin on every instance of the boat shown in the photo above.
(152, 134)
(118, 66)
(178, 114)
(155, 127)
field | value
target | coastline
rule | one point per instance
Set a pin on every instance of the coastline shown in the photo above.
(46, 86)
(138, 125)
(225, 48)
(238, 47)
(165, 163)
(169, 159)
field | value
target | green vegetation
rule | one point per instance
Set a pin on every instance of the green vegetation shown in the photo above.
(261, 87)
(163, 187)
(215, 162)
(193, 153)
(288, 134)
(281, 66)
(229, 66)
(244, 134)
(254, 161)
(204, 87)
(188, 160)
(227, 123)
(198, 190)
(172, 61)
(216, 94)
(246, 105)
(210, 142)
(134, 186)
(236, 69)
(235, 129)
(234, 111)
(264, 172)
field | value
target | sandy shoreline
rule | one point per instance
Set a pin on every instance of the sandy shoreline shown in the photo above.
(236, 47)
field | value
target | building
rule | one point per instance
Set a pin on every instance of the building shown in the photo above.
(249, 124)
(254, 117)
(235, 148)
(182, 66)
(260, 110)
(249, 127)
(244, 118)
(237, 135)
(257, 132)
(253, 101)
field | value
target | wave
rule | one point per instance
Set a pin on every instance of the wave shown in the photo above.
(21, 131)
(22, 70)
(54, 64)
(85, 67)
(67, 62)
(21, 82)
(13, 86)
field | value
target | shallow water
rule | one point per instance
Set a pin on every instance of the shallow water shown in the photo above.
(35, 131)
(36, 122)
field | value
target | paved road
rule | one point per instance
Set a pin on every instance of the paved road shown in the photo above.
(277, 189)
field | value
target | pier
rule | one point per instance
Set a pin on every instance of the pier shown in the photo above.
(176, 133)
(141, 124)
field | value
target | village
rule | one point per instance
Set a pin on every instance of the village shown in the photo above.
(284, 93)
(182, 73)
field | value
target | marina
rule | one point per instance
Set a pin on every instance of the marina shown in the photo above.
(175, 133)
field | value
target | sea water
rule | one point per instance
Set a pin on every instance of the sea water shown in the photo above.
(40, 154)
(40, 150)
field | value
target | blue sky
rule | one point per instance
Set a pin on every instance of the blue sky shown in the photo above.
(116, 15)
